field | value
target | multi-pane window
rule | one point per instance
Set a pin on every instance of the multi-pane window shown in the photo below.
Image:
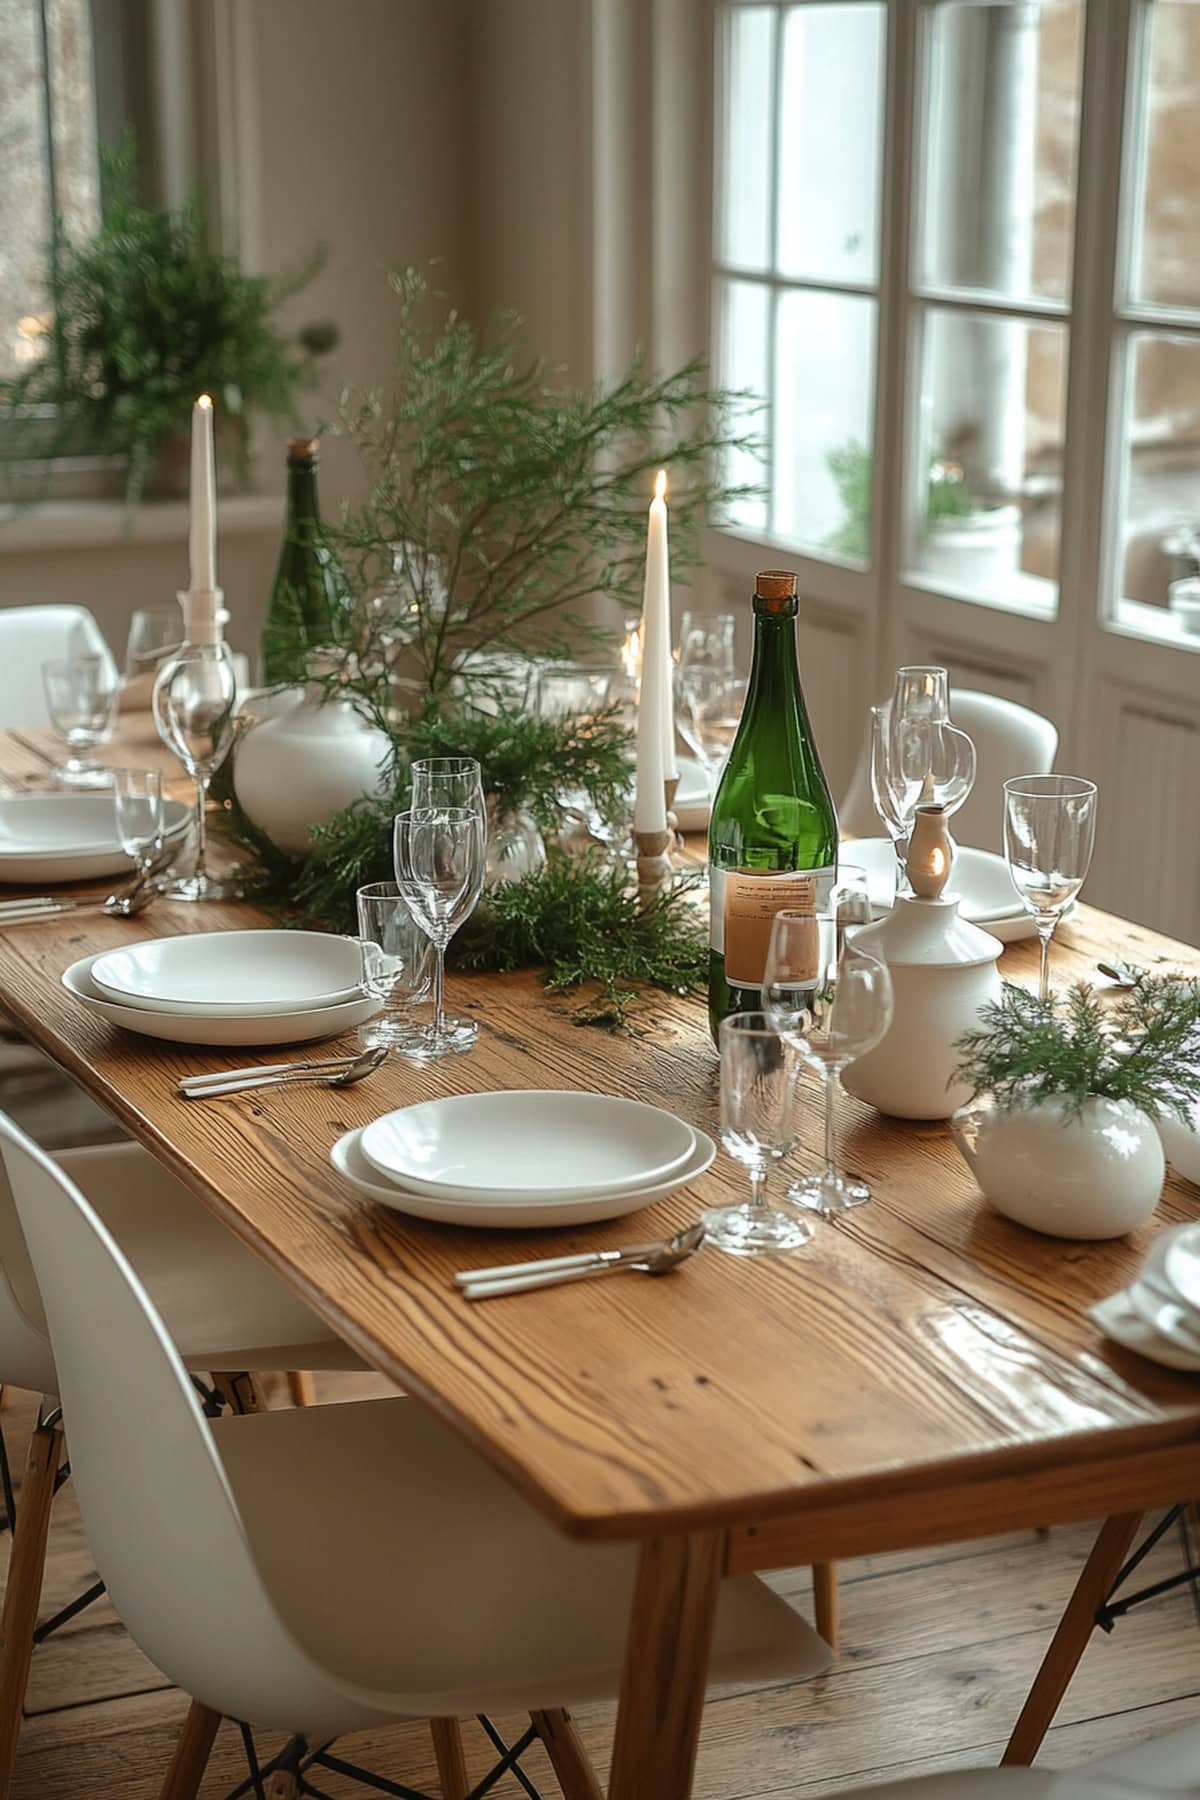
(48, 163)
(971, 443)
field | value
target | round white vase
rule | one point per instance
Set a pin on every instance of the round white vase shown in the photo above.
(1097, 1175)
(295, 770)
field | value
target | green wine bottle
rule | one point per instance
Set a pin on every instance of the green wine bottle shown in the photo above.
(308, 604)
(772, 837)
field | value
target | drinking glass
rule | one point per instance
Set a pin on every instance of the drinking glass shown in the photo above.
(882, 793)
(448, 781)
(397, 967)
(833, 1003)
(929, 761)
(153, 631)
(439, 854)
(82, 698)
(195, 694)
(1049, 833)
(706, 641)
(710, 713)
(758, 1075)
(138, 803)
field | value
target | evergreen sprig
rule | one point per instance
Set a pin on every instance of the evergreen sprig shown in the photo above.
(1145, 1049)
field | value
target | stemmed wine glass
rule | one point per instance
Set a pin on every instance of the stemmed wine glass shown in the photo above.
(710, 714)
(81, 699)
(1049, 833)
(448, 781)
(758, 1076)
(883, 795)
(397, 967)
(833, 1003)
(439, 854)
(154, 631)
(194, 698)
(138, 805)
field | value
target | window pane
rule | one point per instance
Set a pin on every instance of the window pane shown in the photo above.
(744, 168)
(992, 402)
(824, 397)
(829, 142)
(743, 315)
(1161, 529)
(25, 206)
(1003, 112)
(1165, 265)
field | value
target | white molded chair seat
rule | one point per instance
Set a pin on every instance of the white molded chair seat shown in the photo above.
(437, 1588)
(1163, 1765)
(30, 636)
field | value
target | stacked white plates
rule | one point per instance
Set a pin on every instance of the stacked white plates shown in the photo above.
(228, 987)
(524, 1159)
(1158, 1315)
(48, 838)
(979, 877)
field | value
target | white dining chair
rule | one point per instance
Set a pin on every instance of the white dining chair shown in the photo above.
(1168, 1764)
(30, 636)
(439, 1590)
(228, 1315)
(1009, 740)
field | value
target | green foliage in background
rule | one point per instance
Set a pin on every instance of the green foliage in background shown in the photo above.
(948, 497)
(510, 498)
(1145, 1048)
(145, 317)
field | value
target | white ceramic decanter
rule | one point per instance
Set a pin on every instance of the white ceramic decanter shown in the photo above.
(943, 970)
(295, 770)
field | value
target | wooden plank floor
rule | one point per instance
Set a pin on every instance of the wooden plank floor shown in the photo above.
(938, 1650)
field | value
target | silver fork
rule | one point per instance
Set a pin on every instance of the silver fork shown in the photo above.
(358, 1070)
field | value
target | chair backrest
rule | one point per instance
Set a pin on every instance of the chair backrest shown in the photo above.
(26, 1359)
(161, 1517)
(30, 636)
(1009, 740)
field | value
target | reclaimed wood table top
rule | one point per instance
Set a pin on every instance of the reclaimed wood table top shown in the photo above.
(918, 1342)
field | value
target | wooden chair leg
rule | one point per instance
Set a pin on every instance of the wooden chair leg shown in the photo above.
(282, 1785)
(1071, 1639)
(302, 1389)
(192, 1751)
(24, 1588)
(451, 1763)
(825, 1601)
(568, 1758)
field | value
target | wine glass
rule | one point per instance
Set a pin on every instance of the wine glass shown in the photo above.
(711, 712)
(758, 1075)
(706, 641)
(1049, 833)
(448, 781)
(154, 631)
(397, 967)
(138, 804)
(195, 694)
(833, 1003)
(929, 761)
(439, 855)
(882, 793)
(81, 699)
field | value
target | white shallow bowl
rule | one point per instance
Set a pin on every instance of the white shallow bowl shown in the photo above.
(300, 1027)
(535, 1143)
(1182, 1144)
(1179, 1265)
(247, 973)
(693, 796)
(502, 1212)
(980, 877)
(47, 838)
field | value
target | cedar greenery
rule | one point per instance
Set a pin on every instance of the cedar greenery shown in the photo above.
(1145, 1048)
(144, 317)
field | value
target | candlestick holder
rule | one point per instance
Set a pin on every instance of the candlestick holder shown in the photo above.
(670, 788)
(654, 871)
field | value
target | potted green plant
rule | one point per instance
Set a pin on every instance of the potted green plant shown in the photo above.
(966, 539)
(145, 316)
(1061, 1135)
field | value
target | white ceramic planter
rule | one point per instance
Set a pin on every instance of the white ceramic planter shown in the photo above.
(976, 549)
(295, 770)
(1095, 1176)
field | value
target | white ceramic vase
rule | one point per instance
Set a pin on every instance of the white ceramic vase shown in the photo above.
(294, 770)
(1098, 1175)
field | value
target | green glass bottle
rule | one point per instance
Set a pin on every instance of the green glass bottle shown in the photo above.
(772, 837)
(308, 603)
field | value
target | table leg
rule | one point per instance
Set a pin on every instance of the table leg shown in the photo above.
(666, 1667)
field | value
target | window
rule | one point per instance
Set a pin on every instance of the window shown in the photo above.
(48, 155)
(896, 276)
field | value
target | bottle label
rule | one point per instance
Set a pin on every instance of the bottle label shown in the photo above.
(743, 904)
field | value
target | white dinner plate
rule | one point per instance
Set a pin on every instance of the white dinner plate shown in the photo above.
(233, 972)
(1179, 1264)
(1119, 1320)
(535, 1143)
(502, 1212)
(46, 838)
(980, 877)
(300, 1027)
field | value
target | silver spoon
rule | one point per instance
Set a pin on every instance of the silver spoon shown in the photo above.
(647, 1259)
(357, 1070)
(1125, 974)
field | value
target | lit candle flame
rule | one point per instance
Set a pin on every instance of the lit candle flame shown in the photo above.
(631, 652)
(660, 485)
(205, 401)
(937, 860)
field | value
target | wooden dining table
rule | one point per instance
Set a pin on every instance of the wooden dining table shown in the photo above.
(923, 1371)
